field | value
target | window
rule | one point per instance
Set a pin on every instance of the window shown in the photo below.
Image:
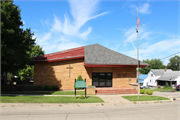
(151, 75)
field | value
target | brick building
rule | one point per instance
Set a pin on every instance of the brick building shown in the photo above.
(100, 67)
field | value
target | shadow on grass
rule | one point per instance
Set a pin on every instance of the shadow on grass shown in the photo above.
(21, 93)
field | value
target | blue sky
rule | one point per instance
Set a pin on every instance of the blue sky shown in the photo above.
(61, 25)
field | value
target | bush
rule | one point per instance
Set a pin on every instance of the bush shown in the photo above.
(47, 88)
(55, 88)
(38, 88)
(82, 97)
(142, 91)
(149, 92)
(167, 85)
(79, 78)
(27, 88)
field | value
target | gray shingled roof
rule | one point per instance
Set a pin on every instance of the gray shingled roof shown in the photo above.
(159, 72)
(97, 54)
(169, 76)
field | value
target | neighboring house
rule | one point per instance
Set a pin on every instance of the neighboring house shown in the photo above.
(153, 75)
(142, 77)
(100, 67)
(171, 77)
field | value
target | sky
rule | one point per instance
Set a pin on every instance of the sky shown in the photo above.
(60, 25)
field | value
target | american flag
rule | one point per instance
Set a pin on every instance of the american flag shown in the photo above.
(138, 21)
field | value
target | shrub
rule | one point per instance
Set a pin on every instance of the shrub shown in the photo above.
(149, 92)
(167, 85)
(79, 78)
(55, 88)
(47, 88)
(26, 88)
(38, 88)
(142, 91)
(82, 97)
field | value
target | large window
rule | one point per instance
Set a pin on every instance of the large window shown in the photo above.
(102, 79)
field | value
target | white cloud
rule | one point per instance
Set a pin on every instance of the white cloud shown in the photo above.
(157, 50)
(67, 34)
(131, 35)
(152, 44)
(82, 12)
(143, 8)
(23, 22)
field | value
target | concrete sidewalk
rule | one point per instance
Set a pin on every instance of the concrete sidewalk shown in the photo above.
(115, 98)
(108, 99)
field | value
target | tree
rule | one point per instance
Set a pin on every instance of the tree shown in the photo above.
(174, 63)
(154, 64)
(15, 42)
(28, 71)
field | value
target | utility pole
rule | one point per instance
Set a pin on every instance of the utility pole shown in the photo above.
(137, 50)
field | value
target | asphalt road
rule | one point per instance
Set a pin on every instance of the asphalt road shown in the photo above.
(149, 111)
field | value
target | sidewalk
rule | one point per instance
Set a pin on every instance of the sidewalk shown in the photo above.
(108, 99)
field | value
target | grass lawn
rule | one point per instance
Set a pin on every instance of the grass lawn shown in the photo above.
(49, 99)
(45, 92)
(161, 90)
(144, 98)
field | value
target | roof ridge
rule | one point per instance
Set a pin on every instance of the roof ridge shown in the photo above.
(100, 55)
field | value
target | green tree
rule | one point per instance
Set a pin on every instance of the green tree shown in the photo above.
(174, 63)
(154, 64)
(28, 71)
(15, 42)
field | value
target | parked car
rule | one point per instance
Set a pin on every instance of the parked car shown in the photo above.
(177, 87)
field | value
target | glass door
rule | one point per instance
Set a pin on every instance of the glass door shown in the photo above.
(95, 79)
(109, 79)
(102, 79)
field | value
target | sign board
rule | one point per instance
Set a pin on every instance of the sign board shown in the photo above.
(80, 84)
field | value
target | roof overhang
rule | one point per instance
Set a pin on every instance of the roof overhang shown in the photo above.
(111, 65)
(58, 59)
(164, 80)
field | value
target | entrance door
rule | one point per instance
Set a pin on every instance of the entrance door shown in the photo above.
(102, 79)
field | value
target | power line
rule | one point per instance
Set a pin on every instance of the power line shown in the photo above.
(169, 55)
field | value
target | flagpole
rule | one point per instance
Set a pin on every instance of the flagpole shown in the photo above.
(137, 54)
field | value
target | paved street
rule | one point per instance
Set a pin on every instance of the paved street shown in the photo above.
(106, 111)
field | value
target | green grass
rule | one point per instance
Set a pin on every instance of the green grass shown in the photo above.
(144, 98)
(160, 89)
(165, 89)
(45, 92)
(49, 99)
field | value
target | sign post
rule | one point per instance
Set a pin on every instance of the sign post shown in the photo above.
(80, 84)
(75, 88)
